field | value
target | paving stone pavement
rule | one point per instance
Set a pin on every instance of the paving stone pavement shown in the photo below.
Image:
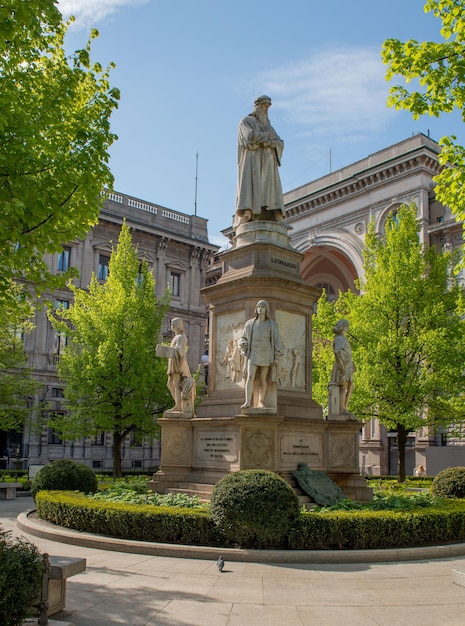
(121, 587)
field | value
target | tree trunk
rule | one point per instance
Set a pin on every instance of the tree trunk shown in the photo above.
(402, 434)
(117, 445)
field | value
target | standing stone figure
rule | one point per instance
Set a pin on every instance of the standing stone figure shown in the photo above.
(259, 193)
(260, 345)
(344, 367)
(180, 382)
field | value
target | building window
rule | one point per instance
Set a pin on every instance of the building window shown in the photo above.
(97, 464)
(98, 440)
(140, 276)
(63, 260)
(53, 437)
(103, 267)
(57, 392)
(61, 304)
(59, 339)
(135, 440)
(137, 464)
(330, 291)
(59, 343)
(175, 284)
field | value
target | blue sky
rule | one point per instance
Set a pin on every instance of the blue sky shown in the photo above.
(189, 70)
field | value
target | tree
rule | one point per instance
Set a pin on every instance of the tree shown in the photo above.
(17, 387)
(440, 70)
(407, 333)
(328, 312)
(113, 379)
(54, 140)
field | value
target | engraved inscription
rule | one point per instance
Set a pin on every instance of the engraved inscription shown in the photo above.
(217, 447)
(302, 449)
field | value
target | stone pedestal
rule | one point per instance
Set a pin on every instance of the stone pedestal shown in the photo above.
(203, 450)
(224, 438)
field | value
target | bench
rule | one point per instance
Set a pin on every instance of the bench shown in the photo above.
(8, 490)
(56, 570)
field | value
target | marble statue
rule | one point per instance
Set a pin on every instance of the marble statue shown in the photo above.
(259, 193)
(260, 345)
(344, 367)
(180, 382)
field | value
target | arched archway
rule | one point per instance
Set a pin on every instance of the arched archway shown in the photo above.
(332, 260)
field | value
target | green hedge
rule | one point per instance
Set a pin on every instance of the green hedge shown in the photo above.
(363, 530)
(129, 521)
(343, 530)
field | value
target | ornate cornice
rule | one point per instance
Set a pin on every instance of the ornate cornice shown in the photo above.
(361, 183)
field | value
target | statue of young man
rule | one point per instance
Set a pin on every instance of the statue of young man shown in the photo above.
(260, 344)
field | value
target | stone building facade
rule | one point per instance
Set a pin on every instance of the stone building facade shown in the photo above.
(178, 252)
(329, 218)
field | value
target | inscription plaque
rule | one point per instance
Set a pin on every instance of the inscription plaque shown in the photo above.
(217, 447)
(302, 449)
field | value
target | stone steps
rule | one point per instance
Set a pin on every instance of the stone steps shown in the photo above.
(204, 492)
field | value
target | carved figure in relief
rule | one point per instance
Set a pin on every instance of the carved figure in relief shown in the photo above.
(260, 345)
(180, 381)
(297, 369)
(344, 367)
(232, 359)
(259, 193)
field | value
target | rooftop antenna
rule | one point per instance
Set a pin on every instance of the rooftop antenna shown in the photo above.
(196, 172)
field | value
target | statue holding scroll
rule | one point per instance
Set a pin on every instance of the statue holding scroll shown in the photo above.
(180, 381)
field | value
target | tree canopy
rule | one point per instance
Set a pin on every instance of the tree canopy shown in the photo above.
(439, 70)
(17, 387)
(406, 331)
(54, 138)
(114, 381)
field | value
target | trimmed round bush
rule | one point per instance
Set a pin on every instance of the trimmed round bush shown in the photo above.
(254, 508)
(20, 579)
(65, 475)
(450, 483)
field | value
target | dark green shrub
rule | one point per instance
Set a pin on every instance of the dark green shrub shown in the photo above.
(20, 579)
(65, 475)
(254, 508)
(450, 483)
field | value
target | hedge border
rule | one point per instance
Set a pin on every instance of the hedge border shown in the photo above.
(338, 530)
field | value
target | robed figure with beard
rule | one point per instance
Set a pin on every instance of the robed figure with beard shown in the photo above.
(259, 192)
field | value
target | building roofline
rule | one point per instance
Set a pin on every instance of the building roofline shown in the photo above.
(361, 168)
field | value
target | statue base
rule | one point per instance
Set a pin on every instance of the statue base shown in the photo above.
(290, 430)
(200, 451)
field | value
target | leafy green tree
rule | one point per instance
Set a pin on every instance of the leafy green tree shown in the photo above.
(328, 312)
(439, 71)
(408, 333)
(54, 140)
(17, 387)
(113, 379)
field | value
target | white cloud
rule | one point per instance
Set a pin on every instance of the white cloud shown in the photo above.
(89, 12)
(338, 92)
